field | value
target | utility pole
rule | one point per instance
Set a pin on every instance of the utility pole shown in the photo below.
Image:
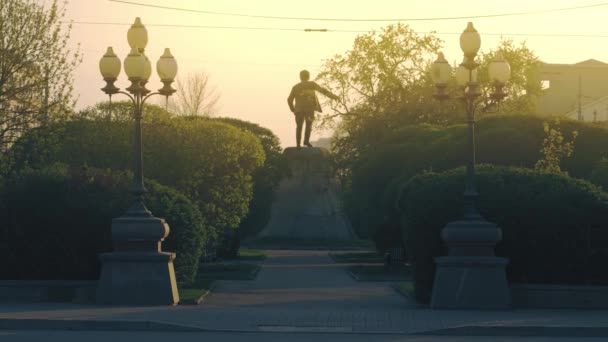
(580, 99)
(595, 115)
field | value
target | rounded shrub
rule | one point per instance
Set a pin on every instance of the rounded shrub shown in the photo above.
(554, 227)
(265, 179)
(507, 140)
(58, 219)
(212, 163)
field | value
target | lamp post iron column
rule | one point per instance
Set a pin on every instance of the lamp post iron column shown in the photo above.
(470, 276)
(138, 271)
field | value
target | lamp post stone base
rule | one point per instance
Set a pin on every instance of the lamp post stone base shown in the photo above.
(137, 278)
(471, 282)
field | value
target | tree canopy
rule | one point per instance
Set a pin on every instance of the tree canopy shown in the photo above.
(36, 66)
(384, 82)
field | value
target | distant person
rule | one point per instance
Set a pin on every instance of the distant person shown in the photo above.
(306, 103)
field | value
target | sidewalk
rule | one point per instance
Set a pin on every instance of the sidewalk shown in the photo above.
(305, 291)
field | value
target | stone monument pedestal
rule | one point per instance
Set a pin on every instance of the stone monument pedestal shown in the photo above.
(307, 203)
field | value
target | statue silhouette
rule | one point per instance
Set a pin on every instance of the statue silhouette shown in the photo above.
(306, 103)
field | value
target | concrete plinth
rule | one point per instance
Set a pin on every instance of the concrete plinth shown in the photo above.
(137, 278)
(470, 282)
(307, 204)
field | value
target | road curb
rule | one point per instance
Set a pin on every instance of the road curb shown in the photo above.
(91, 325)
(520, 331)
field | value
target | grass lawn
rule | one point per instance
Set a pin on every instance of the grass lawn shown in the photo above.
(251, 254)
(208, 273)
(406, 288)
(356, 257)
(381, 272)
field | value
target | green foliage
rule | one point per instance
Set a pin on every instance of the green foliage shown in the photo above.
(384, 82)
(554, 227)
(510, 140)
(36, 66)
(380, 73)
(122, 111)
(210, 162)
(554, 148)
(524, 86)
(57, 219)
(266, 178)
(599, 175)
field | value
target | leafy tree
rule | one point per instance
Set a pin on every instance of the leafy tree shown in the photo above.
(35, 66)
(383, 74)
(384, 82)
(380, 73)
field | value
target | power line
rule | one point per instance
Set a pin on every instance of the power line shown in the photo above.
(195, 26)
(557, 35)
(509, 14)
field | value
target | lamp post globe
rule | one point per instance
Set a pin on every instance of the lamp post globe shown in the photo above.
(109, 64)
(109, 67)
(440, 73)
(137, 36)
(499, 69)
(167, 70)
(441, 70)
(135, 64)
(166, 66)
(470, 41)
(463, 75)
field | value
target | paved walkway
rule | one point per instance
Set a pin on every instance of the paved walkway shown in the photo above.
(302, 291)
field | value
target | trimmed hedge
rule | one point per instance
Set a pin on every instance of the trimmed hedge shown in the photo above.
(554, 227)
(212, 163)
(266, 178)
(265, 183)
(508, 140)
(57, 220)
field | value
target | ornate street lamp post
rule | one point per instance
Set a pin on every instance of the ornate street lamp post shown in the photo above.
(470, 276)
(138, 271)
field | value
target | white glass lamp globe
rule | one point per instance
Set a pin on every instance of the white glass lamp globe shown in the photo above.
(441, 70)
(166, 66)
(109, 64)
(464, 76)
(499, 69)
(135, 64)
(137, 36)
(147, 68)
(470, 41)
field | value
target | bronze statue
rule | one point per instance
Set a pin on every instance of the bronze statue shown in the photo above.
(306, 103)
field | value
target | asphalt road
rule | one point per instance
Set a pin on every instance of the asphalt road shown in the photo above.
(92, 336)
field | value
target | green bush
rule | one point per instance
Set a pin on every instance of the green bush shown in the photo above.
(57, 220)
(212, 163)
(265, 179)
(509, 140)
(599, 175)
(265, 183)
(554, 226)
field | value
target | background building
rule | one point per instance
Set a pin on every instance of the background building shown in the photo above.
(579, 91)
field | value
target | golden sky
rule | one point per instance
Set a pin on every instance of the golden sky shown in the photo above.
(254, 69)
